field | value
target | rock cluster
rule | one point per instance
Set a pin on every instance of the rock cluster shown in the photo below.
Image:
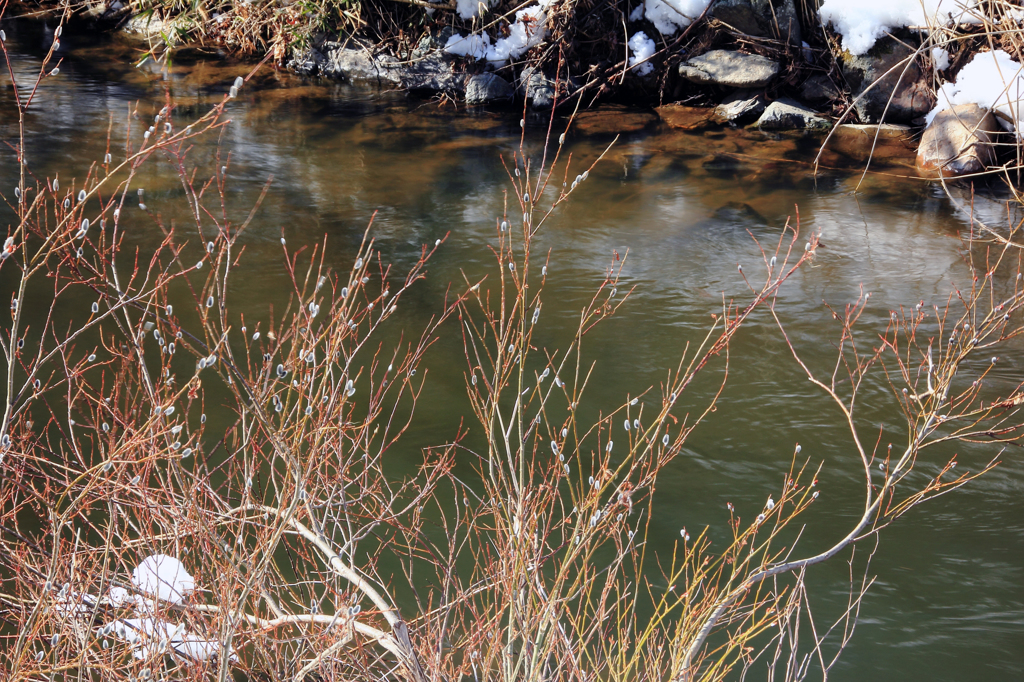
(890, 88)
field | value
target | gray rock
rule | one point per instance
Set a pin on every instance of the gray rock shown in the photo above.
(910, 88)
(488, 87)
(307, 62)
(359, 64)
(432, 73)
(786, 114)
(777, 19)
(740, 106)
(730, 69)
(784, 19)
(818, 89)
(430, 44)
(538, 89)
(958, 141)
(152, 26)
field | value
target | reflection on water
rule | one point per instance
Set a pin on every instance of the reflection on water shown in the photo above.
(685, 209)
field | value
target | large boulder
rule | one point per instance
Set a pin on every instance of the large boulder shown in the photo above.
(488, 87)
(769, 18)
(786, 114)
(908, 86)
(958, 141)
(431, 74)
(729, 69)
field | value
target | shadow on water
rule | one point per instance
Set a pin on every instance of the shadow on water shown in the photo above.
(684, 209)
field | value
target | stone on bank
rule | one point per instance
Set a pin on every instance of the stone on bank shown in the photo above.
(740, 106)
(729, 69)
(958, 141)
(902, 96)
(488, 87)
(787, 114)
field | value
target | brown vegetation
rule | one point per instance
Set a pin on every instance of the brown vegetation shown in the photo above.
(151, 422)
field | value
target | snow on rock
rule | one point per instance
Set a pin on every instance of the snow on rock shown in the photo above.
(163, 576)
(474, 45)
(862, 22)
(668, 16)
(641, 48)
(527, 31)
(991, 80)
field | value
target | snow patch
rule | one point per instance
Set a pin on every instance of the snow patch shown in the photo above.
(641, 48)
(165, 577)
(991, 80)
(527, 31)
(940, 58)
(474, 45)
(148, 635)
(470, 9)
(151, 636)
(668, 16)
(862, 22)
(638, 13)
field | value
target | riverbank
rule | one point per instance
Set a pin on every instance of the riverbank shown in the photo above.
(774, 65)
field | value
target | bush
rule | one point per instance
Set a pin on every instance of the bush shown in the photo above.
(190, 498)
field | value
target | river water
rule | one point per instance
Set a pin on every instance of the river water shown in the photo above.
(948, 603)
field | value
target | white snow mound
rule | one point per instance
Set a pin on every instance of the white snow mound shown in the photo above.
(641, 47)
(527, 31)
(474, 45)
(165, 577)
(668, 16)
(862, 22)
(991, 80)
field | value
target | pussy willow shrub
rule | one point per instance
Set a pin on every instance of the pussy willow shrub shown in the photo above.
(139, 541)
